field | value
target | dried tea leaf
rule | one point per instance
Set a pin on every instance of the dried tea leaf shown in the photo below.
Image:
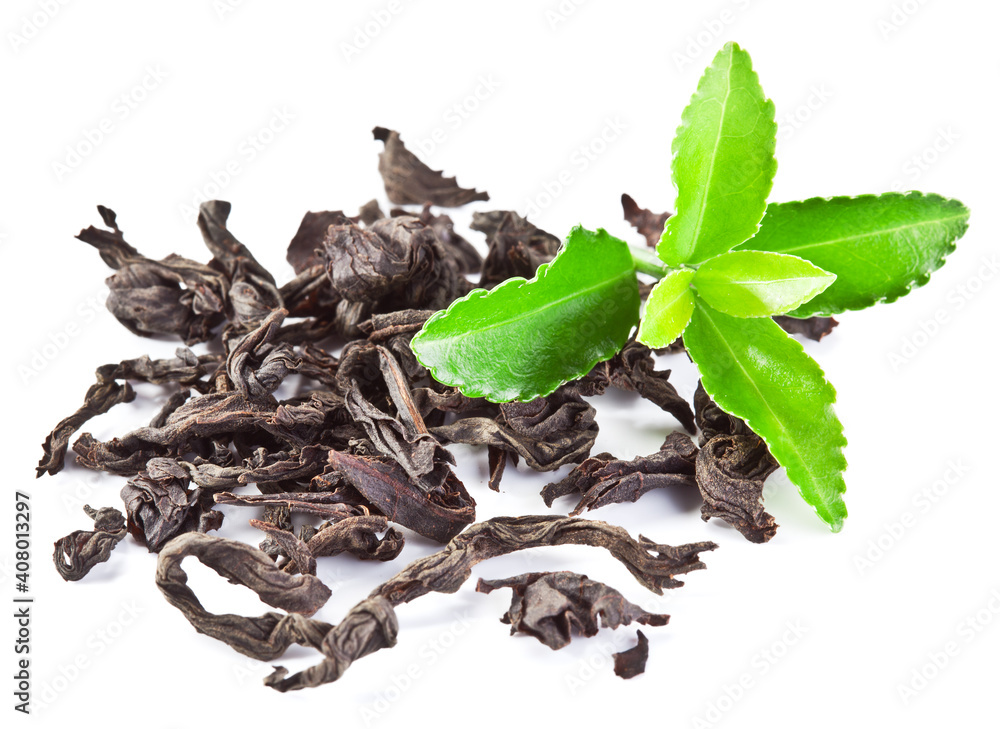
(632, 662)
(547, 432)
(300, 557)
(101, 397)
(509, 225)
(408, 181)
(265, 637)
(253, 293)
(363, 264)
(327, 505)
(79, 552)
(603, 479)
(516, 247)
(402, 436)
(305, 249)
(460, 250)
(731, 471)
(372, 625)
(551, 605)
(438, 514)
(160, 507)
(633, 369)
(173, 297)
(185, 369)
(370, 212)
(815, 327)
(649, 224)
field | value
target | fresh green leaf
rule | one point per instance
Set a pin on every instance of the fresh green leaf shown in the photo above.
(524, 339)
(723, 162)
(757, 372)
(880, 246)
(752, 283)
(668, 309)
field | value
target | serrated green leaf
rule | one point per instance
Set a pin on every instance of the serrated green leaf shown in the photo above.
(757, 372)
(668, 309)
(880, 246)
(753, 283)
(723, 162)
(524, 339)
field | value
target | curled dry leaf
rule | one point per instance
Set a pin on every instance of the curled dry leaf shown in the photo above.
(265, 637)
(185, 368)
(547, 432)
(372, 624)
(515, 246)
(175, 297)
(253, 294)
(731, 469)
(305, 249)
(438, 514)
(550, 606)
(459, 249)
(603, 479)
(79, 552)
(408, 181)
(160, 506)
(356, 535)
(633, 369)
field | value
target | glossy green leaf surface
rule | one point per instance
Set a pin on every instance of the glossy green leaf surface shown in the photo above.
(523, 339)
(668, 309)
(757, 372)
(723, 162)
(753, 283)
(879, 246)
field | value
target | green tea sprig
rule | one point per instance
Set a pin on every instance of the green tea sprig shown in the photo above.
(727, 262)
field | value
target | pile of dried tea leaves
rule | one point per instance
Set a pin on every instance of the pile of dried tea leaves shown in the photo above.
(362, 446)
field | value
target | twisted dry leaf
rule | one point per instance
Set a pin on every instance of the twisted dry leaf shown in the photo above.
(371, 624)
(79, 552)
(550, 606)
(603, 479)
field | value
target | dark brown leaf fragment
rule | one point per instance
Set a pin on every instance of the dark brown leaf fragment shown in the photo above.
(79, 552)
(649, 224)
(731, 471)
(814, 328)
(550, 606)
(265, 637)
(547, 432)
(372, 625)
(438, 514)
(603, 479)
(160, 506)
(408, 181)
(633, 369)
(632, 662)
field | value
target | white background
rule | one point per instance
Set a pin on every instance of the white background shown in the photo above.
(888, 94)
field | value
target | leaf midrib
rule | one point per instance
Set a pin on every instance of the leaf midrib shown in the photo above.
(870, 233)
(715, 153)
